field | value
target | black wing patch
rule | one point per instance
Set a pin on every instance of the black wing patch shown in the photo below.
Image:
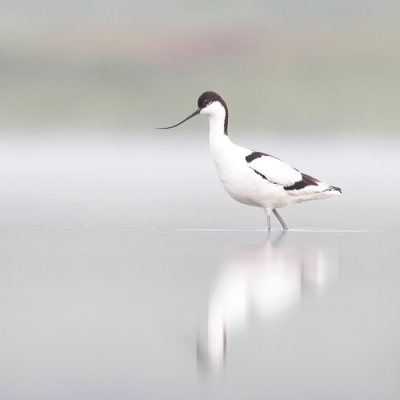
(255, 154)
(306, 181)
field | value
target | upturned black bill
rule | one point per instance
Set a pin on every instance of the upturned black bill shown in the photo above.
(190, 116)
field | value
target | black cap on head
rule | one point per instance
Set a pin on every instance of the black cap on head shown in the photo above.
(209, 97)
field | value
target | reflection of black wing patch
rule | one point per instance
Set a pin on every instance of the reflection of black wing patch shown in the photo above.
(306, 181)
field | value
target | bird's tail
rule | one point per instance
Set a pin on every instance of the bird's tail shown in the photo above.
(333, 189)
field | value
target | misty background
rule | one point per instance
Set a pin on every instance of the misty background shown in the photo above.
(118, 243)
(282, 66)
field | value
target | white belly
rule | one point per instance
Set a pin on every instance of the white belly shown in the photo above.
(239, 180)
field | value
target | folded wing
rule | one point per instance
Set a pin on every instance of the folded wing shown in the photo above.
(293, 181)
(273, 169)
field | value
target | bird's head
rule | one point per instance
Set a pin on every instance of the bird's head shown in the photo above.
(210, 104)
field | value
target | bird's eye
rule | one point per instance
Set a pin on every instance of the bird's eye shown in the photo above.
(206, 102)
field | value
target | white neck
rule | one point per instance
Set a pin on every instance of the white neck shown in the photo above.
(217, 123)
(218, 138)
(220, 144)
(216, 115)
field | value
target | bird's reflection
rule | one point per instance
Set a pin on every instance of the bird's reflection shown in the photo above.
(259, 283)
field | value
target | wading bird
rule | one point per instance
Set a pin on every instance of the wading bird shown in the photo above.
(251, 177)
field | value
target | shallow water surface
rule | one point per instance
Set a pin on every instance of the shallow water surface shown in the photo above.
(125, 275)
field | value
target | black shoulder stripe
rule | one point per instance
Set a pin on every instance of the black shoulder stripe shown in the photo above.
(306, 181)
(259, 173)
(263, 176)
(255, 154)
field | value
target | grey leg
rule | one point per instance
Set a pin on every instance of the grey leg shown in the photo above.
(269, 221)
(283, 223)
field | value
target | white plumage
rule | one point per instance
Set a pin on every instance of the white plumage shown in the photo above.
(252, 177)
(275, 170)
